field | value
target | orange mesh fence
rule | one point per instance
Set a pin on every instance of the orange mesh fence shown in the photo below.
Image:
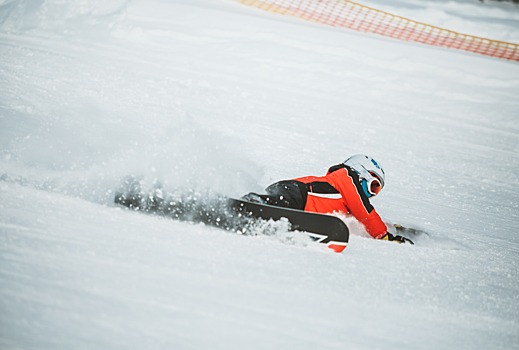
(347, 14)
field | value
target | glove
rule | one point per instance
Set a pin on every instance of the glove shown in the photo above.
(396, 238)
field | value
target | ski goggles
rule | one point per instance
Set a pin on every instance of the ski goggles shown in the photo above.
(370, 181)
(373, 185)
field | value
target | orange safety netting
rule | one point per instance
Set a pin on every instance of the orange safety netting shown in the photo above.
(344, 13)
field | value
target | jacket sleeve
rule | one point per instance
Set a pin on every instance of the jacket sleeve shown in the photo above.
(348, 184)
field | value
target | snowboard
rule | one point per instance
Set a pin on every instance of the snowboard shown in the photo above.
(231, 214)
(323, 228)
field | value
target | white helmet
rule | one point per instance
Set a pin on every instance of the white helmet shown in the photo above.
(372, 176)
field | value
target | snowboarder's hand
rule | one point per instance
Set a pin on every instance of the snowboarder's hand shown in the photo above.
(396, 238)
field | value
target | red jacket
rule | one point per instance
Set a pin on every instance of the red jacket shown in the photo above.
(340, 191)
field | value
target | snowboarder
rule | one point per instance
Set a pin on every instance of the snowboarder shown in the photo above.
(346, 188)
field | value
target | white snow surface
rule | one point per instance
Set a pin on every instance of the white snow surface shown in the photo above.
(210, 94)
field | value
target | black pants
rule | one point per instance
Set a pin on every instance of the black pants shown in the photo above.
(287, 194)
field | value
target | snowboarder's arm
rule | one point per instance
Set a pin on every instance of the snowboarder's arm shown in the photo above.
(372, 222)
(348, 185)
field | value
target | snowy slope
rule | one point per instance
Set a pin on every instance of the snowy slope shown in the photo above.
(210, 94)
